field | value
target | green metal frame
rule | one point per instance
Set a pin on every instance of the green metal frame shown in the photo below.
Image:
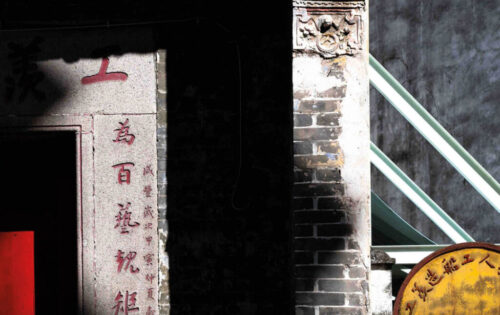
(418, 196)
(477, 176)
(391, 228)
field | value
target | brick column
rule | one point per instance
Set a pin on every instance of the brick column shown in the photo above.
(332, 234)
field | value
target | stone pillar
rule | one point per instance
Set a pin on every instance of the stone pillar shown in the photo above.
(381, 283)
(332, 234)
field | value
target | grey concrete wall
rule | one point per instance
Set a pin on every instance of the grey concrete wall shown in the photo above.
(446, 53)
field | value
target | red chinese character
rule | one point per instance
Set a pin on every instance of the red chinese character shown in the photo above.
(120, 260)
(150, 277)
(149, 259)
(150, 294)
(449, 266)
(147, 170)
(123, 219)
(410, 306)
(148, 212)
(122, 134)
(422, 291)
(433, 278)
(102, 75)
(147, 190)
(150, 311)
(148, 226)
(123, 173)
(127, 305)
(149, 239)
(467, 259)
(487, 262)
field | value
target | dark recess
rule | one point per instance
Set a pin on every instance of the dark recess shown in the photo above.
(39, 194)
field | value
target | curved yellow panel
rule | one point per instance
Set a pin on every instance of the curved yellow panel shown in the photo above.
(460, 279)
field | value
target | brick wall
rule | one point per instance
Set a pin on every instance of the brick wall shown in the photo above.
(328, 269)
(331, 178)
(228, 210)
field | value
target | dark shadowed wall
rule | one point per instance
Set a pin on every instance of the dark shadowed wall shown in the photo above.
(447, 54)
(229, 176)
(229, 142)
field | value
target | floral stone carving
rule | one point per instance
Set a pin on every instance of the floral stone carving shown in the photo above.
(331, 35)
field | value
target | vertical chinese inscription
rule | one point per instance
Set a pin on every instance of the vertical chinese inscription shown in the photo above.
(149, 217)
(127, 160)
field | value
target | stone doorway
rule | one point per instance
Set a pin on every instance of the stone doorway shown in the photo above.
(39, 194)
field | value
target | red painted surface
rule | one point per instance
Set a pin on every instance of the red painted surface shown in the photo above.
(102, 75)
(17, 273)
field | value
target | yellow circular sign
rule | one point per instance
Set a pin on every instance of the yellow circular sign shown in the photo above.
(458, 279)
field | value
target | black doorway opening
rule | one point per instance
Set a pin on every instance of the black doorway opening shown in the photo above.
(38, 193)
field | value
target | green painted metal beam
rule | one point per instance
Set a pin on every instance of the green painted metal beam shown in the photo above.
(432, 130)
(418, 196)
(390, 228)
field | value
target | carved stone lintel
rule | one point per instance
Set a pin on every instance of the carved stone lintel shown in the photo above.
(328, 4)
(330, 33)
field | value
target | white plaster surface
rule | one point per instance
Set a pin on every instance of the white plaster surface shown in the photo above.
(109, 193)
(381, 292)
(355, 143)
(309, 75)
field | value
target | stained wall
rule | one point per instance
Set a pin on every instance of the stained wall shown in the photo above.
(446, 54)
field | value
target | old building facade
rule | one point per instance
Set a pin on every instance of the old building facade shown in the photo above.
(260, 204)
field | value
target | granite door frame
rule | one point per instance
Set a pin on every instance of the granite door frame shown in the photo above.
(85, 208)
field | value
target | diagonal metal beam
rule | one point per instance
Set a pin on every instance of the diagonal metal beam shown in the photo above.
(418, 196)
(432, 130)
(389, 226)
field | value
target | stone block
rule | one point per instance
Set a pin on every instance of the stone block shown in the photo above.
(315, 133)
(126, 211)
(303, 258)
(318, 216)
(320, 298)
(302, 120)
(319, 244)
(335, 230)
